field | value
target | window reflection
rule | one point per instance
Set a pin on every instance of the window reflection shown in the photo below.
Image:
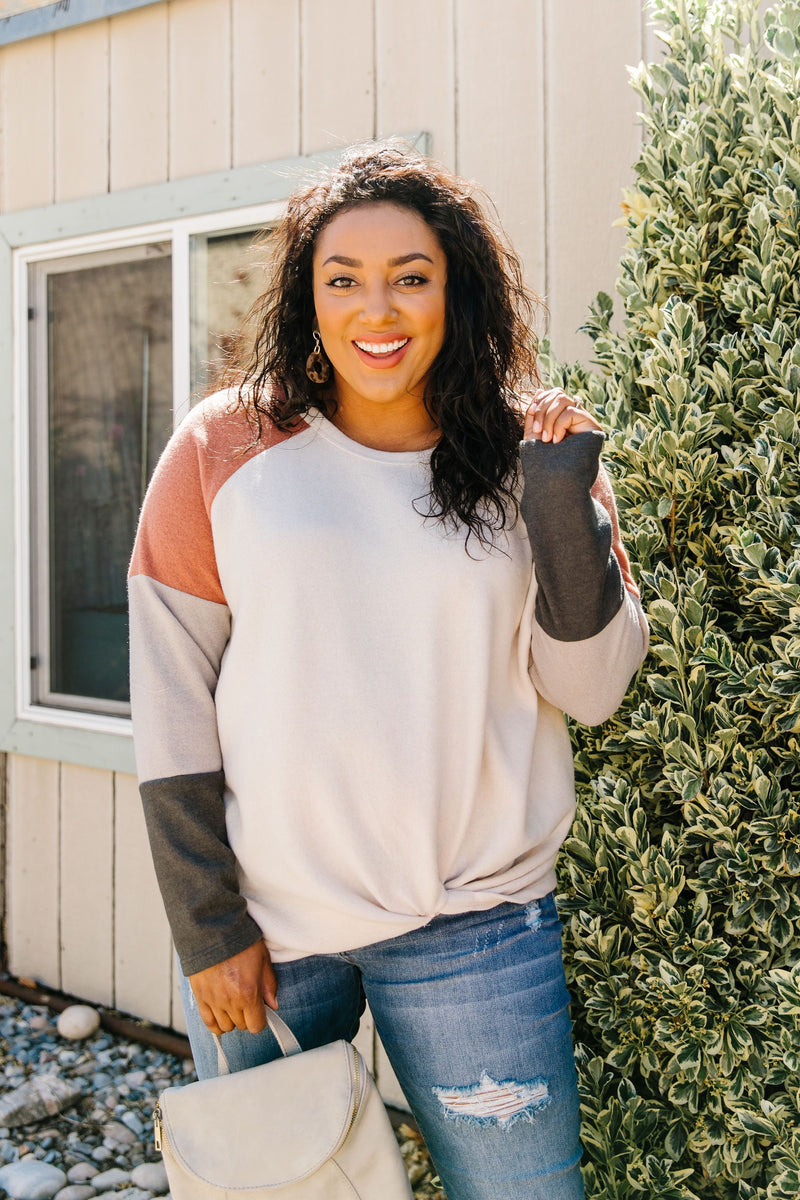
(228, 275)
(109, 416)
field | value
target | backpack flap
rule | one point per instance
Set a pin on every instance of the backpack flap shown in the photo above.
(266, 1126)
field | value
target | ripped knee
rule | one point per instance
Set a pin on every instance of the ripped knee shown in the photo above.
(489, 1102)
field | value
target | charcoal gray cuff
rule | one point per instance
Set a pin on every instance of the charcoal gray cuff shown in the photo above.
(196, 869)
(579, 583)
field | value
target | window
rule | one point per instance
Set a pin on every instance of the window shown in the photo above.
(120, 339)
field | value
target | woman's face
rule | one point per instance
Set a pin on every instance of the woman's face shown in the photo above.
(380, 276)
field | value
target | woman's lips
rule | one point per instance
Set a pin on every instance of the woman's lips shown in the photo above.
(381, 357)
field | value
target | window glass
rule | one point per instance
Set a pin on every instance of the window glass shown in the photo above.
(108, 414)
(227, 275)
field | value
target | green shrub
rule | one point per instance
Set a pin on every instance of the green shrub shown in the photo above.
(679, 884)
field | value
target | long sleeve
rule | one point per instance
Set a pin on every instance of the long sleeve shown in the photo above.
(589, 632)
(180, 625)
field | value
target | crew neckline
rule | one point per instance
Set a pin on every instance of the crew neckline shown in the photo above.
(326, 428)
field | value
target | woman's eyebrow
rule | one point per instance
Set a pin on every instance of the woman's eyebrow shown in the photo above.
(343, 261)
(407, 258)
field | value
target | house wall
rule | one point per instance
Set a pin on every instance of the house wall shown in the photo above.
(528, 97)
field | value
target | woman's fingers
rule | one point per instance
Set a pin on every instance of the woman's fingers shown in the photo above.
(217, 1021)
(553, 415)
(231, 994)
(269, 983)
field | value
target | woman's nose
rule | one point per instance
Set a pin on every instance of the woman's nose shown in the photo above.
(378, 303)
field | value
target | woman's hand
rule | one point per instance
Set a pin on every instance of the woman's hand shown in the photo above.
(232, 993)
(553, 415)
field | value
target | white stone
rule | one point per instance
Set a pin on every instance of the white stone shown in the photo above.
(76, 1191)
(151, 1176)
(31, 1180)
(130, 1193)
(82, 1172)
(110, 1179)
(118, 1133)
(41, 1097)
(40, 1022)
(78, 1021)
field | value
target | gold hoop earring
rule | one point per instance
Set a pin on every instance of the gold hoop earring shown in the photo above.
(318, 368)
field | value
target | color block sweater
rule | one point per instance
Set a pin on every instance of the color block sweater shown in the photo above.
(345, 724)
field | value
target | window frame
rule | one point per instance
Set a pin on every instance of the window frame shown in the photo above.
(221, 202)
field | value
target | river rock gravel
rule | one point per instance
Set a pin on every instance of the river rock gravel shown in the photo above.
(107, 1087)
(93, 1136)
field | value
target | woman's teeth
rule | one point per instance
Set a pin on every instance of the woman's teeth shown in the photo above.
(382, 347)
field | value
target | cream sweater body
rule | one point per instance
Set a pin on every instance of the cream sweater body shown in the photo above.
(345, 723)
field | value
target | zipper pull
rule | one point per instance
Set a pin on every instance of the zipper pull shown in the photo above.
(157, 1127)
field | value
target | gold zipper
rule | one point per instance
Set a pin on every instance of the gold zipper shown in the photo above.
(157, 1126)
(356, 1097)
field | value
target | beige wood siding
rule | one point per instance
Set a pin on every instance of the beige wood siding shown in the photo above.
(85, 914)
(527, 97)
(138, 104)
(532, 102)
(27, 124)
(81, 94)
(266, 81)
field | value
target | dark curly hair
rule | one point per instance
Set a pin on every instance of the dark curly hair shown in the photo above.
(489, 352)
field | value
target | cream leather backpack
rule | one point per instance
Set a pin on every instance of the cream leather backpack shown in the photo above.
(308, 1126)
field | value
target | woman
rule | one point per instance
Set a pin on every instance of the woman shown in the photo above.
(358, 614)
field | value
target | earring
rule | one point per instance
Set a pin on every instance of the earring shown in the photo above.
(318, 368)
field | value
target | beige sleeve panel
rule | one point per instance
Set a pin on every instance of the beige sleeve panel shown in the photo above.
(177, 642)
(588, 679)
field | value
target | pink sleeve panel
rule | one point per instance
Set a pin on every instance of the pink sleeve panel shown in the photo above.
(174, 543)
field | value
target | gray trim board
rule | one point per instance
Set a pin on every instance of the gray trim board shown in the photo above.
(37, 21)
(220, 191)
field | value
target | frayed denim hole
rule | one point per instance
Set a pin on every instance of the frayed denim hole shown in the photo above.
(488, 939)
(533, 916)
(489, 1102)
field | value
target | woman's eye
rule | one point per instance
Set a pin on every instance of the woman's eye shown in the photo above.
(341, 282)
(413, 280)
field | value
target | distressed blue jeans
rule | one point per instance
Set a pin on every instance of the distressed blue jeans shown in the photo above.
(472, 1011)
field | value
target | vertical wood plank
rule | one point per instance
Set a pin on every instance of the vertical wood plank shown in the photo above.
(138, 108)
(142, 943)
(338, 95)
(81, 110)
(593, 139)
(87, 849)
(26, 96)
(33, 869)
(500, 117)
(415, 72)
(266, 80)
(199, 87)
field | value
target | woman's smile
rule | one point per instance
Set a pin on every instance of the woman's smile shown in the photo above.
(382, 354)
